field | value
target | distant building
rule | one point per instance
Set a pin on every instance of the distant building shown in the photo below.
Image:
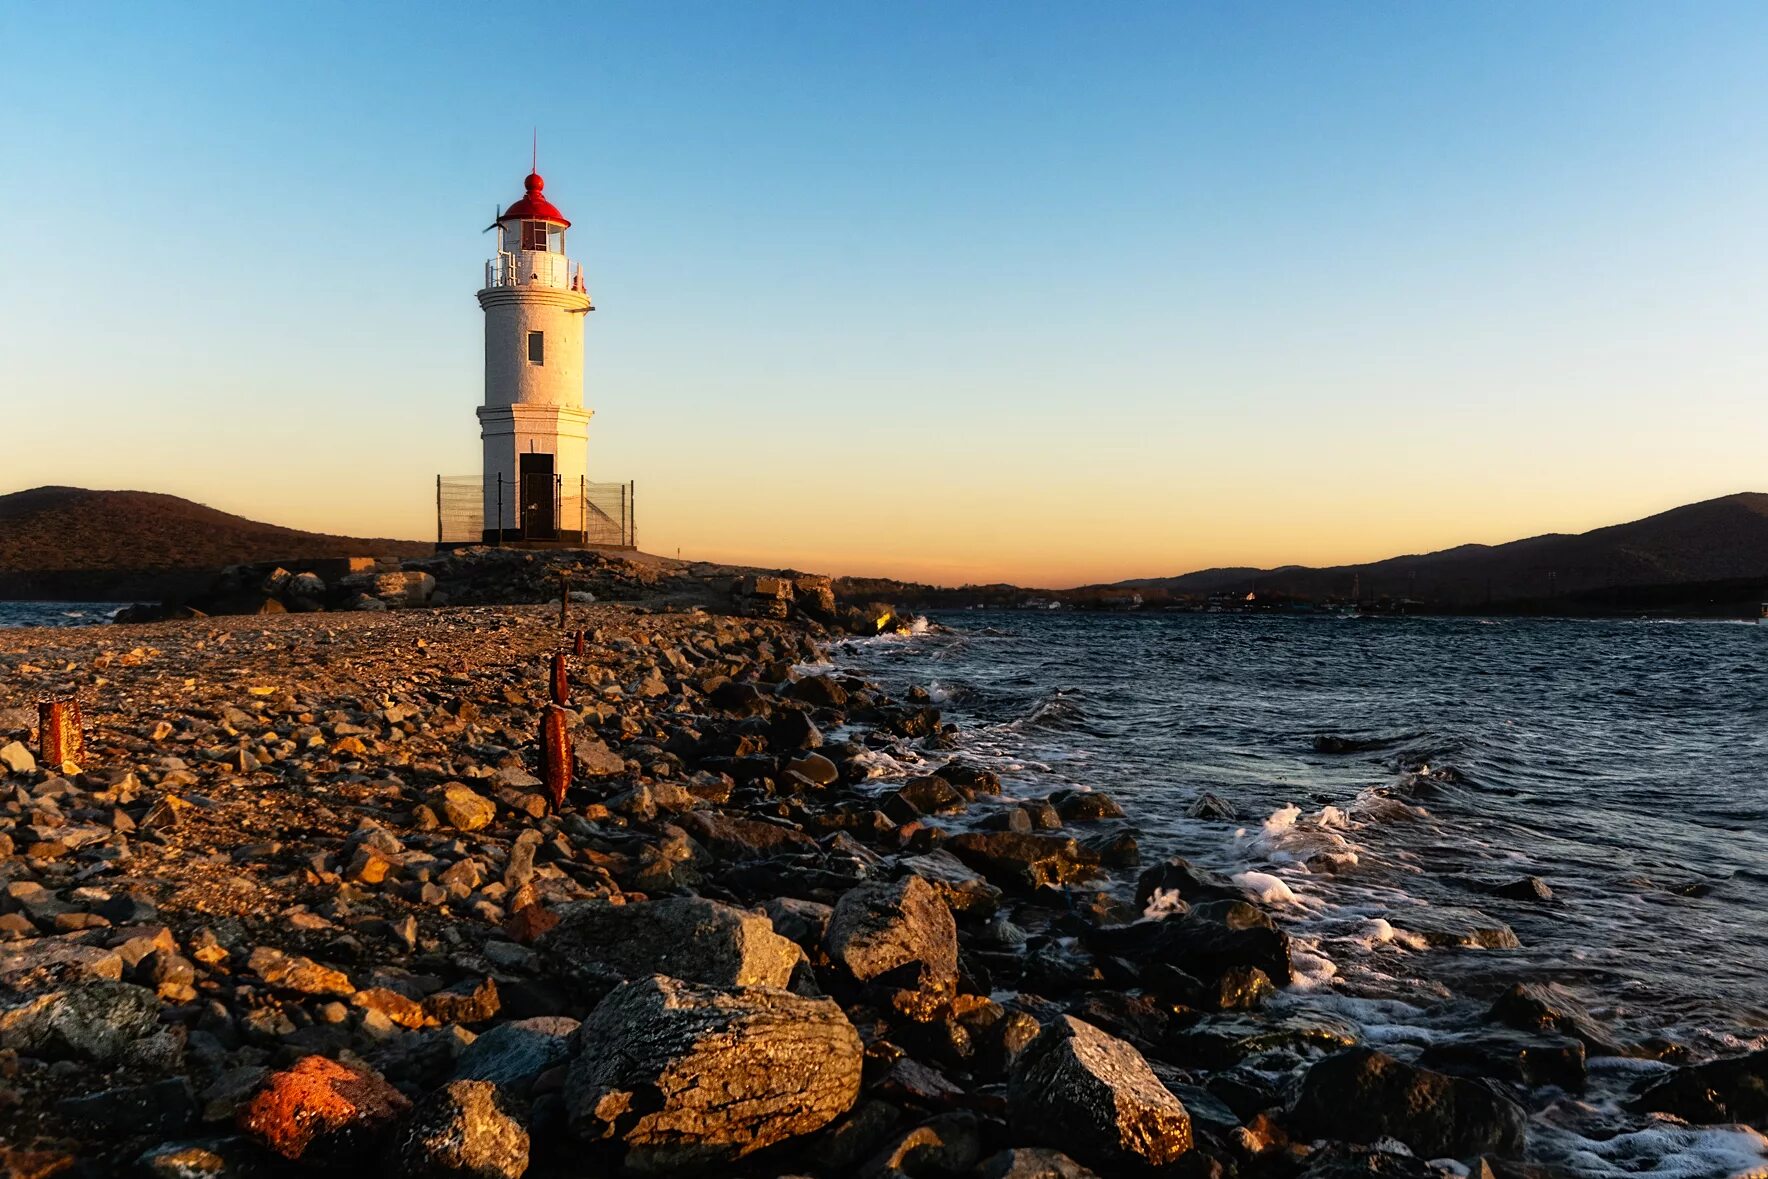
(533, 425)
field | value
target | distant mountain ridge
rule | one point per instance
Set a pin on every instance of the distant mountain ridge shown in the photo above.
(1716, 540)
(58, 542)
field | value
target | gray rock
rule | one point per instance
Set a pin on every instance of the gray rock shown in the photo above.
(465, 1128)
(1083, 1090)
(801, 921)
(160, 1107)
(598, 945)
(1447, 926)
(899, 935)
(97, 1021)
(1029, 1162)
(50, 961)
(511, 1055)
(689, 1076)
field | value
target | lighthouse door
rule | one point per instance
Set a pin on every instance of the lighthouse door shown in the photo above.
(540, 519)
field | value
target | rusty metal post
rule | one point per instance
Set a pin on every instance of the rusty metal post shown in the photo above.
(561, 683)
(555, 750)
(577, 647)
(58, 731)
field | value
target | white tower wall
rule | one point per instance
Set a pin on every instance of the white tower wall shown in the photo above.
(533, 391)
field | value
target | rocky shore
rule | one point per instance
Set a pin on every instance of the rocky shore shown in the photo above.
(304, 906)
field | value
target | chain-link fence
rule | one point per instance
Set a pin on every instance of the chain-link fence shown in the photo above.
(533, 508)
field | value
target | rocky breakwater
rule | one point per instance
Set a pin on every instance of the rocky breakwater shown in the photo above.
(304, 907)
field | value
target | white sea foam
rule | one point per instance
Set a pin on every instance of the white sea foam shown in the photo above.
(1670, 1150)
(1262, 886)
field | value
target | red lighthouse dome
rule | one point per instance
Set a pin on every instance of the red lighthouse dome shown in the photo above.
(534, 206)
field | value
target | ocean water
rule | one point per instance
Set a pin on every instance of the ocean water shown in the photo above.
(1625, 763)
(57, 613)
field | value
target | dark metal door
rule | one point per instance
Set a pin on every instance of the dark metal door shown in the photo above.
(540, 519)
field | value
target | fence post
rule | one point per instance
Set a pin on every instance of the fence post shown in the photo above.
(500, 509)
(632, 533)
(438, 511)
(583, 510)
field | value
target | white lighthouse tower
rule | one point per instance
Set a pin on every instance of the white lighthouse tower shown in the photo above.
(533, 425)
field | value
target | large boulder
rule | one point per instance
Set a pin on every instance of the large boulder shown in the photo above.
(1087, 1092)
(695, 1077)
(1731, 1090)
(1023, 861)
(465, 1129)
(599, 946)
(1363, 1095)
(99, 1021)
(1546, 1008)
(901, 937)
(1210, 941)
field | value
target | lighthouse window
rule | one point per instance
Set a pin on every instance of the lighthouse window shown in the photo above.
(536, 347)
(534, 235)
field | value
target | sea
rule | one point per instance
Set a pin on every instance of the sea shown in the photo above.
(1387, 773)
(57, 613)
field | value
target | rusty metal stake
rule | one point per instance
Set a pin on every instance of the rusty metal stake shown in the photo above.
(555, 748)
(561, 683)
(58, 731)
(564, 596)
(577, 647)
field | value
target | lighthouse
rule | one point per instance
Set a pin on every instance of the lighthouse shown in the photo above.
(533, 425)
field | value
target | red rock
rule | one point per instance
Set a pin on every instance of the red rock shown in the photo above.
(321, 1110)
(529, 922)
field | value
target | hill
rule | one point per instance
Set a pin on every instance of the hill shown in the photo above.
(62, 542)
(1721, 540)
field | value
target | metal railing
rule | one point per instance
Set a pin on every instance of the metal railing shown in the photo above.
(533, 266)
(534, 509)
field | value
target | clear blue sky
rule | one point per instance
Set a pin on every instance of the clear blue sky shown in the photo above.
(1042, 291)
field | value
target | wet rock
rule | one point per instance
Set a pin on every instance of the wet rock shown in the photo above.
(931, 795)
(1082, 1090)
(97, 1021)
(1215, 937)
(511, 1055)
(1223, 1040)
(1451, 927)
(901, 937)
(465, 1128)
(1528, 888)
(1719, 1091)
(1545, 1007)
(814, 769)
(323, 1113)
(1363, 1096)
(1026, 862)
(1085, 806)
(1031, 1162)
(963, 889)
(1340, 1160)
(598, 945)
(1520, 1059)
(693, 1076)
(1180, 878)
